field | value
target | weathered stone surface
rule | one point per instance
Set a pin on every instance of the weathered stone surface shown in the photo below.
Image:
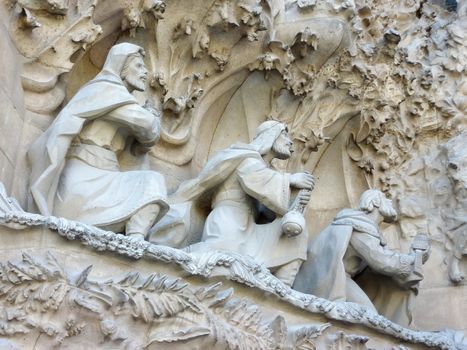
(11, 104)
(374, 96)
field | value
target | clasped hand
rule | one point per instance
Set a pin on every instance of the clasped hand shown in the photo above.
(302, 180)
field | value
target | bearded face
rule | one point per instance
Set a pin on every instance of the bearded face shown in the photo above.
(387, 210)
(282, 147)
(134, 73)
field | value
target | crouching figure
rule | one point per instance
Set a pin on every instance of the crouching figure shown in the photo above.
(352, 243)
(251, 206)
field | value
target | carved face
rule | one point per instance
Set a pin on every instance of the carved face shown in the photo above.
(282, 147)
(387, 211)
(134, 73)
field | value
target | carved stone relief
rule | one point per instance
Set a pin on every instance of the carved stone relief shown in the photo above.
(61, 308)
(373, 98)
(353, 243)
(431, 197)
(235, 267)
(318, 71)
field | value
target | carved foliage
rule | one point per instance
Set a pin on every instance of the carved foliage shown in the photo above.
(407, 83)
(431, 197)
(136, 15)
(163, 310)
(59, 30)
(135, 312)
(341, 341)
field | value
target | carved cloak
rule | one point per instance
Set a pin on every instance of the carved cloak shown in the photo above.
(105, 93)
(47, 154)
(270, 246)
(183, 223)
(323, 273)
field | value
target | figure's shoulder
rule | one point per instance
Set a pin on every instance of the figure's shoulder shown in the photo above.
(131, 111)
(352, 214)
(252, 163)
(358, 220)
(234, 154)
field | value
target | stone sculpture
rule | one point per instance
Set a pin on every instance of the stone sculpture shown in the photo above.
(76, 172)
(249, 201)
(56, 305)
(456, 217)
(351, 243)
(370, 96)
(439, 204)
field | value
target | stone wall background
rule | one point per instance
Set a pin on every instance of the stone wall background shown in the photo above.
(12, 111)
(26, 114)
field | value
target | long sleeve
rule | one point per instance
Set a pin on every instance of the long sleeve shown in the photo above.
(380, 259)
(144, 125)
(269, 187)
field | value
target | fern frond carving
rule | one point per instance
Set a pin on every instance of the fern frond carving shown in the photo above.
(39, 296)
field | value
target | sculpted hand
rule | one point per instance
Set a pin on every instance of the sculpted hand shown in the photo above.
(304, 197)
(302, 180)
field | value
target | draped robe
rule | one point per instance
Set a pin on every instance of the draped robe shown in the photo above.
(235, 183)
(84, 181)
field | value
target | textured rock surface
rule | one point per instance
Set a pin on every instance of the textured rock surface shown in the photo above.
(374, 93)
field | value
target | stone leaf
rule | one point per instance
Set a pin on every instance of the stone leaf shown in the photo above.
(178, 335)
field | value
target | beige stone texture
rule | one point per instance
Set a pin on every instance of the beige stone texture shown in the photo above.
(11, 105)
(374, 94)
(74, 258)
(429, 311)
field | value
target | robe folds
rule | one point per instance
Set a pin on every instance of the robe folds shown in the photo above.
(94, 189)
(234, 182)
(343, 250)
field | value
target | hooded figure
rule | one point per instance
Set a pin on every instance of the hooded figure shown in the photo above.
(76, 170)
(242, 190)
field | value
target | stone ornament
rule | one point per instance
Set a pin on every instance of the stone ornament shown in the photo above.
(456, 160)
(240, 269)
(165, 312)
(437, 206)
(373, 98)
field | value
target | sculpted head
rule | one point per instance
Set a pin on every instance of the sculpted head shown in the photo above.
(282, 147)
(372, 200)
(125, 61)
(272, 137)
(134, 73)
